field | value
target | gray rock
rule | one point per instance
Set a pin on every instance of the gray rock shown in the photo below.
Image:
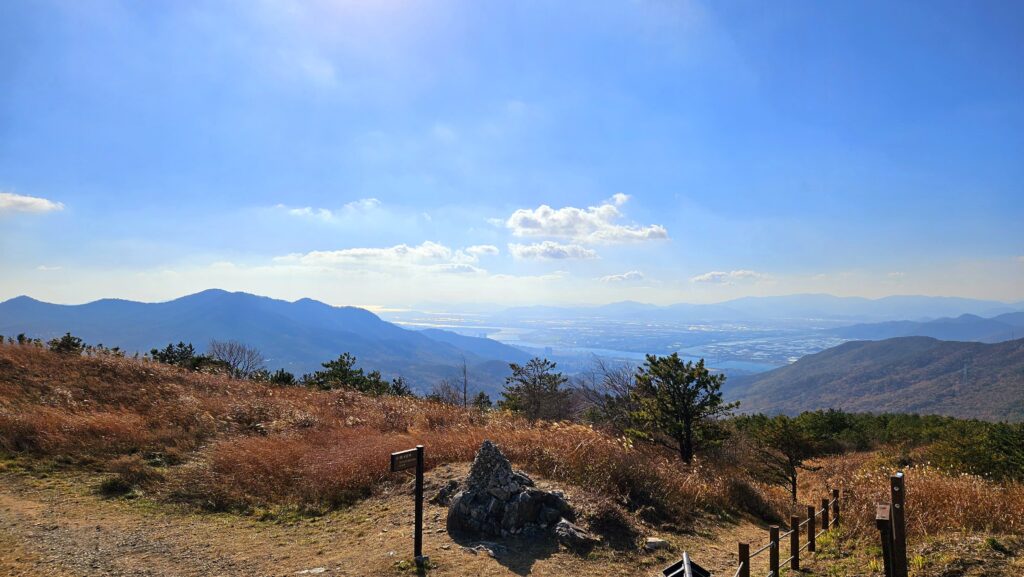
(498, 501)
(654, 544)
(574, 537)
(522, 478)
(444, 495)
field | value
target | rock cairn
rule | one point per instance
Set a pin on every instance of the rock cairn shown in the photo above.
(498, 501)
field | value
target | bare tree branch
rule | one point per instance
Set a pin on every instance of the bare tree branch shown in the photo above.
(242, 359)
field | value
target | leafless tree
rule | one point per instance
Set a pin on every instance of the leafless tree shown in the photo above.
(445, 392)
(606, 390)
(240, 358)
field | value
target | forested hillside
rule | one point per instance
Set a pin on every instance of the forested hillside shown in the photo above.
(910, 374)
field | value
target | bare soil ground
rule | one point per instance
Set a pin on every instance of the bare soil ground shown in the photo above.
(55, 524)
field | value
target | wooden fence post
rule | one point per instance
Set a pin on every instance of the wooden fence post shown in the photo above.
(744, 554)
(885, 533)
(899, 527)
(811, 514)
(824, 515)
(794, 543)
(835, 507)
(773, 550)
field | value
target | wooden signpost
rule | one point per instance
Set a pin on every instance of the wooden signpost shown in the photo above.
(402, 461)
(899, 526)
(884, 523)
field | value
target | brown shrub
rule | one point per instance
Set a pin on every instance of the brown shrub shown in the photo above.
(133, 470)
(936, 502)
(615, 526)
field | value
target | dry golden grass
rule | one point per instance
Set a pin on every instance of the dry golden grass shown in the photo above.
(236, 445)
(936, 502)
(245, 444)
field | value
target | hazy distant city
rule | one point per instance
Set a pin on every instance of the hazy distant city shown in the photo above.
(734, 347)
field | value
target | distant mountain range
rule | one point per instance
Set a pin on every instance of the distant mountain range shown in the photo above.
(1004, 327)
(297, 336)
(906, 374)
(801, 307)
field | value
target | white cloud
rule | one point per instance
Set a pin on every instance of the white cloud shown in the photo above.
(591, 225)
(731, 277)
(426, 258)
(633, 275)
(363, 205)
(310, 211)
(426, 252)
(458, 268)
(549, 250)
(43, 267)
(482, 250)
(473, 253)
(10, 202)
(619, 199)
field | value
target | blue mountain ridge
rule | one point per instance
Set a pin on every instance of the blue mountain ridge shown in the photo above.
(296, 336)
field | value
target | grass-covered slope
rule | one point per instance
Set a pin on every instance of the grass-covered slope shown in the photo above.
(235, 445)
(911, 374)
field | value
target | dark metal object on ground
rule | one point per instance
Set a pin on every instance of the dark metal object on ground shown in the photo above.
(685, 567)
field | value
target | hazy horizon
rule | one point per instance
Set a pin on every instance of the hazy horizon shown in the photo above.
(389, 153)
(427, 305)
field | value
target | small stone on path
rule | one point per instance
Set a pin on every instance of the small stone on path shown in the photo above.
(655, 544)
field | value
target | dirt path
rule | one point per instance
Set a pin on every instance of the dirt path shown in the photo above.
(57, 526)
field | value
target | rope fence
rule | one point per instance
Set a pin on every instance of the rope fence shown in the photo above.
(889, 518)
(828, 512)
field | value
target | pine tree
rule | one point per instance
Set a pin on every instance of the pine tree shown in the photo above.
(678, 404)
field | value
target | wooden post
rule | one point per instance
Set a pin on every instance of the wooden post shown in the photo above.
(835, 507)
(744, 554)
(899, 527)
(401, 461)
(794, 543)
(811, 514)
(824, 515)
(773, 550)
(885, 533)
(418, 543)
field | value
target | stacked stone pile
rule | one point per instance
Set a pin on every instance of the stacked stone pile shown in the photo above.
(498, 501)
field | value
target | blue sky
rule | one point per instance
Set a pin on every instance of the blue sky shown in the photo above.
(388, 153)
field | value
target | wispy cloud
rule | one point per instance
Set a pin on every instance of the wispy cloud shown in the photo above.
(10, 203)
(482, 249)
(360, 206)
(427, 257)
(549, 250)
(631, 276)
(44, 267)
(591, 225)
(473, 253)
(458, 268)
(426, 252)
(730, 277)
